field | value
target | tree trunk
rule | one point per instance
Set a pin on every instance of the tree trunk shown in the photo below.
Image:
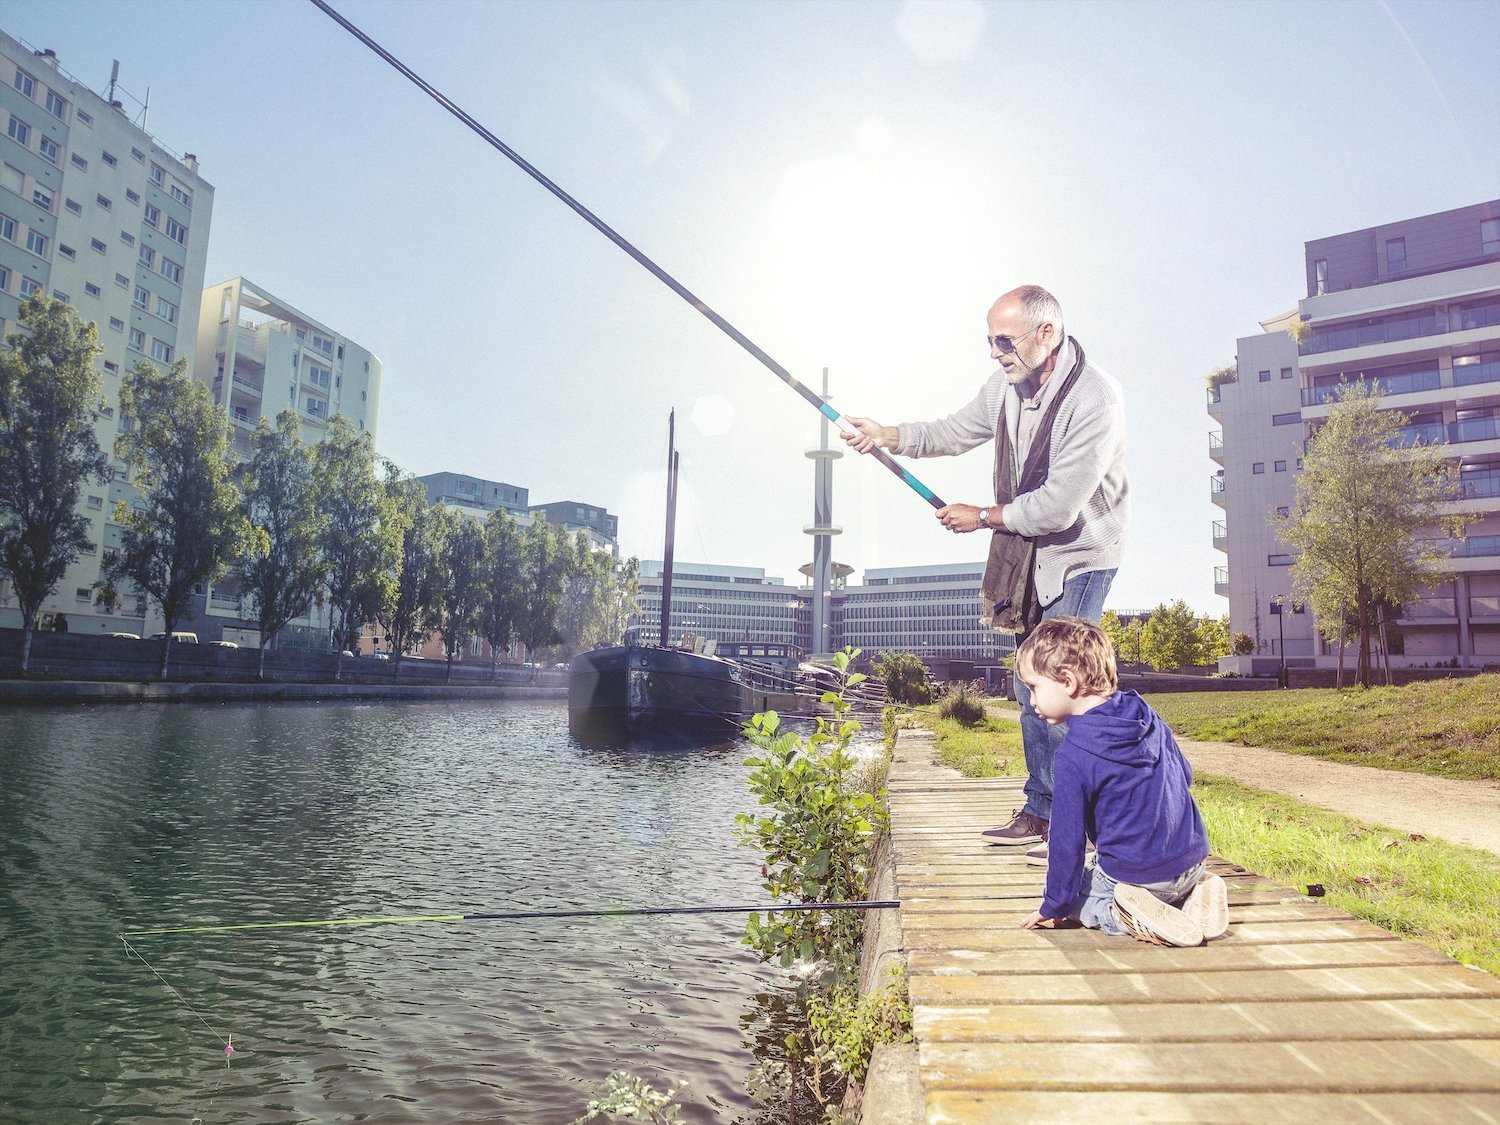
(494, 662)
(1385, 645)
(260, 671)
(1343, 646)
(1363, 597)
(27, 631)
(448, 677)
(166, 647)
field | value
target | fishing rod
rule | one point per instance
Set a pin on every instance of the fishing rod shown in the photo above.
(816, 400)
(515, 915)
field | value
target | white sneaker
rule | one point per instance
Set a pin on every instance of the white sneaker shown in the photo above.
(1146, 918)
(1208, 905)
(1037, 856)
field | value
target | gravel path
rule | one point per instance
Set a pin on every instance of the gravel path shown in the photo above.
(1461, 812)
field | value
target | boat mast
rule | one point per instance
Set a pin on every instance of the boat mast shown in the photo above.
(666, 557)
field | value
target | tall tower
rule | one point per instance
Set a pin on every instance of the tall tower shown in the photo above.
(822, 529)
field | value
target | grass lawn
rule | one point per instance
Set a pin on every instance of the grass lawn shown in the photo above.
(1449, 728)
(1443, 895)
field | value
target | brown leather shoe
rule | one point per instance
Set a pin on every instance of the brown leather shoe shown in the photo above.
(1024, 830)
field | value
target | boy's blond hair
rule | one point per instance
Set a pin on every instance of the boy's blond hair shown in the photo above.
(1074, 644)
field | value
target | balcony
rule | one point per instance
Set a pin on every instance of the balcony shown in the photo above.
(1428, 609)
(1409, 383)
(1480, 486)
(1474, 547)
(1469, 374)
(1484, 605)
(1428, 433)
(1221, 535)
(1216, 446)
(1216, 490)
(1474, 429)
(1221, 581)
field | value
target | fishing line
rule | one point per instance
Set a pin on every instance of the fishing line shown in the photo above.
(227, 1040)
(817, 401)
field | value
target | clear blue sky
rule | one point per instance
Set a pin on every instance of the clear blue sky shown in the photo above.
(851, 184)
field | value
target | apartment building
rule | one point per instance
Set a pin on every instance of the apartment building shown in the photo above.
(259, 356)
(1411, 308)
(99, 214)
(478, 497)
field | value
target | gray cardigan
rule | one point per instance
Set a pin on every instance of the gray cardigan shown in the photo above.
(1078, 516)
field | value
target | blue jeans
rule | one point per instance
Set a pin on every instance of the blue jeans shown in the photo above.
(1095, 907)
(1082, 596)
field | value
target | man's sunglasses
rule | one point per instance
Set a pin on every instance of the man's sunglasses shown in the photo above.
(1007, 346)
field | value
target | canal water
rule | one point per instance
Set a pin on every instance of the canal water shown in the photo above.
(133, 817)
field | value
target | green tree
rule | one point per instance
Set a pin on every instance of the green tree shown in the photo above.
(49, 399)
(1213, 638)
(412, 613)
(462, 587)
(1170, 638)
(905, 678)
(1369, 519)
(598, 598)
(1125, 636)
(282, 571)
(547, 560)
(360, 539)
(188, 523)
(505, 584)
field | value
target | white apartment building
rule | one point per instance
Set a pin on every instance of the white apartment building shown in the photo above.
(1413, 309)
(259, 356)
(99, 214)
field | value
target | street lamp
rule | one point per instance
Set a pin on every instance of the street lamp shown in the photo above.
(1277, 604)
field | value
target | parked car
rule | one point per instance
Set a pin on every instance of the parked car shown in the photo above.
(125, 636)
(179, 637)
(381, 655)
(222, 644)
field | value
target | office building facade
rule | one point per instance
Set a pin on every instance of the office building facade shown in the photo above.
(100, 215)
(1411, 308)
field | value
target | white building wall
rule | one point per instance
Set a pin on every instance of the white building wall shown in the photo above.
(101, 215)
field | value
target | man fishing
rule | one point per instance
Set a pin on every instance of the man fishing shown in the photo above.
(1061, 500)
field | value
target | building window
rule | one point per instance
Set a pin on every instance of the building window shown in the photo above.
(1286, 419)
(1258, 468)
(158, 176)
(122, 281)
(161, 351)
(323, 344)
(7, 228)
(117, 324)
(1299, 464)
(103, 202)
(142, 298)
(29, 285)
(1280, 560)
(1280, 466)
(1395, 255)
(127, 238)
(41, 199)
(83, 117)
(137, 340)
(97, 245)
(67, 251)
(1286, 372)
(171, 270)
(166, 310)
(108, 158)
(96, 501)
(317, 408)
(36, 242)
(78, 161)
(91, 289)
(176, 231)
(112, 367)
(1264, 376)
(153, 215)
(49, 150)
(181, 196)
(1320, 275)
(1283, 512)
(56, 106)
(74, 206)
(25, 83)
(59, 295)
(138, 154)
(132, 196)
(4, 280)
(147, 256)
(83, 593)
(1489, 236)
(19, 131)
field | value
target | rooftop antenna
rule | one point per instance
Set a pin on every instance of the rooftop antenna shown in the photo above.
(146, 109)
(114, 77)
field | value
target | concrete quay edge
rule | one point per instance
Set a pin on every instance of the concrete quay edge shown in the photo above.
(43, 692)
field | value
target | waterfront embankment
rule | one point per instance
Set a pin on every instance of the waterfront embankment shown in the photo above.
(42, 692)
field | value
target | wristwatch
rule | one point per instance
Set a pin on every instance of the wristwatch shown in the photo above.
(984, 517)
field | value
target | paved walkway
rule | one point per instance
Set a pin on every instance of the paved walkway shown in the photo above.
(1302, 1013)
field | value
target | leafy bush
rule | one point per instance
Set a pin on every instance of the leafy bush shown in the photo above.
(627, 1096)
(905, 678)
(963, 703)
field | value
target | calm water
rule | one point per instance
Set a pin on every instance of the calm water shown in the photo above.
(122, 818)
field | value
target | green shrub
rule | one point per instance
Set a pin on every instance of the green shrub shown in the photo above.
(905, 678)
(963, 703)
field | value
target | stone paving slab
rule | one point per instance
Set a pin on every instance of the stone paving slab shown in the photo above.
(1302, 1012)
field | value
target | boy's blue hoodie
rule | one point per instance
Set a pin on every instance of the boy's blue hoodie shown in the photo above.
(1120, 780)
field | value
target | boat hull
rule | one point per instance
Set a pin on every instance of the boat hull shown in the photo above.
(637, 687)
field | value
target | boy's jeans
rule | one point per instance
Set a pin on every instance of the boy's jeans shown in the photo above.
(1082, 596)
(1095, 907)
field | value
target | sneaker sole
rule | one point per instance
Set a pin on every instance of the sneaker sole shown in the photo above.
(1208, 905)
(1011, 841)
(1150, 919)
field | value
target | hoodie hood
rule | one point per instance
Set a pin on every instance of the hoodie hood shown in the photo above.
(1123, 730)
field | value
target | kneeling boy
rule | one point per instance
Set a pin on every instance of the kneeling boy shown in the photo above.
(1120, 780)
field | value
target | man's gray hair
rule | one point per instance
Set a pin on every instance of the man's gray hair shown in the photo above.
(1038, 306)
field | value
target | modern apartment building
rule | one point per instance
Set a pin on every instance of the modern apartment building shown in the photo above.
(1413, 309)
(259, 356)
(99, 214)
(932, 611)
(477, 497)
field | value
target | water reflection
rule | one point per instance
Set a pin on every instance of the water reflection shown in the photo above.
(132, 817)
